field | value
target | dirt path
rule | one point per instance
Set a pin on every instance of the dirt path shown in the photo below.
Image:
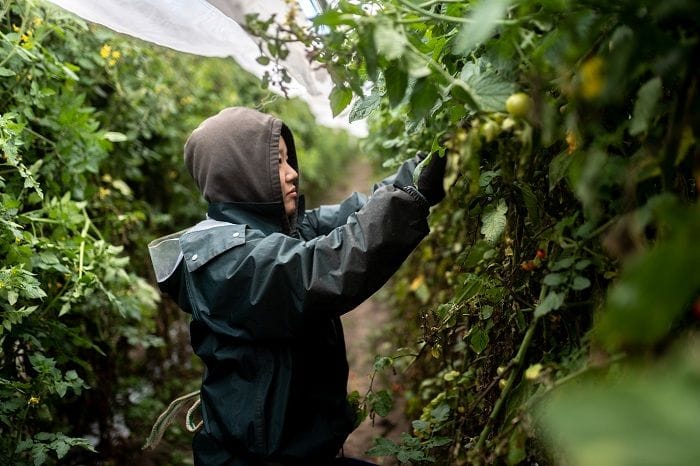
(363, 326)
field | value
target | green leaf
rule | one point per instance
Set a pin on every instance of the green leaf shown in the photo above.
(389, 41)
(333, 18)
(115, 136)
(553, 279)
(382, 402)
(562, 264)
(493, 222)
(648, 415)
(558, 168)
(423, 98)
(645, 107)
(485, 16)
(340, 98)
(61, 448)
(382, 363)
(12, 297)
(364, 106)
(263, 60)
(580, 283)
(478, 340)
(655, 288)
(488, 89)
(6, 72)
(383, 447)
(396, 83)
(550, 303)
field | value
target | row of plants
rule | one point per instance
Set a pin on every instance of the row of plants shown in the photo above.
(552, 315)
(92, 126)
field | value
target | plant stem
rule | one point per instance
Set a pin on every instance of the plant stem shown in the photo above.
(83, 235)
(517, 363)
(417, 8)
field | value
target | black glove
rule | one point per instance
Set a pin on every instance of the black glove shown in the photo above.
(430, 172)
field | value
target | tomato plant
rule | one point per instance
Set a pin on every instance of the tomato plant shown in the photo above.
(564, 249)
(91, 132)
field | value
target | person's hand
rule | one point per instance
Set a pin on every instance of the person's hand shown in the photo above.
(429, 175)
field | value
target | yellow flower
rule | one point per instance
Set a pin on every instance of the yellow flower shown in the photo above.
(38, 21)
(105, 51)
(103, 193)
(592, 79)
(112, 62)
(116, 54)
(15, 28)
(34, 400)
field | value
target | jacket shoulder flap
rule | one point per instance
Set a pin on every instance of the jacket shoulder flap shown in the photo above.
(207, 240)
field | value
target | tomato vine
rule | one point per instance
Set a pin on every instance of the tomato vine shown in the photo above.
(562, 256)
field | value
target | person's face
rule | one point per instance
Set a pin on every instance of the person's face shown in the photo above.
(288, 177)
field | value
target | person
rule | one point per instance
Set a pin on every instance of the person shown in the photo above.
(266, 283)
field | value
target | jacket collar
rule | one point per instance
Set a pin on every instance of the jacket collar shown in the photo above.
(259, 216)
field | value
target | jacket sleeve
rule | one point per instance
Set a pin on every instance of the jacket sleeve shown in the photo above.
(322, 220)
(271, 286)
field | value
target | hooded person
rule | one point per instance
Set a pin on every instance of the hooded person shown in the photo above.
(266, 283)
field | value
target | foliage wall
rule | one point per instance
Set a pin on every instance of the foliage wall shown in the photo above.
(91, 133)
(552, 314)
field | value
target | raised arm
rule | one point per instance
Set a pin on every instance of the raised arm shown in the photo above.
(271, 286)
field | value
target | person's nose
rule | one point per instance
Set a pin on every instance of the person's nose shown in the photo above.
(291, 175)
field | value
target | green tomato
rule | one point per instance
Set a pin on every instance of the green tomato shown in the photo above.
(490, 130)
(519, 104)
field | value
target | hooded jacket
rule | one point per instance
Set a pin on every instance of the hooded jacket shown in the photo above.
(266, 293)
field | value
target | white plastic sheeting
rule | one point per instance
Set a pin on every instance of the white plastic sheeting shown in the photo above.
(212, 28)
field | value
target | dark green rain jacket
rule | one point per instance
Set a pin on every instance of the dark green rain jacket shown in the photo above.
(266, 293)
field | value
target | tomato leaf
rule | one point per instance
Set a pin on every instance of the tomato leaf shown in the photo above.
(494, 222)
(364, 106)
(340, 98)
(396, 83)
(645, 107)
(550, 303)
(485, 17)
(488, 89)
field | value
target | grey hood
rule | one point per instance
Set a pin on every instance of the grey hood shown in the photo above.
(233, 158)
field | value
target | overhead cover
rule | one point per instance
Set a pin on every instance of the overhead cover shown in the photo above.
(212, 28)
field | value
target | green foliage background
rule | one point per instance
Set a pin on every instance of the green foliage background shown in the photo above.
(551, 317)
(91, 132)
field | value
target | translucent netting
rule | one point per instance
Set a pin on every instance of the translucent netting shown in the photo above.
(212, 28)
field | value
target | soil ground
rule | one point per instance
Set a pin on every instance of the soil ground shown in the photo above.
(362, 328)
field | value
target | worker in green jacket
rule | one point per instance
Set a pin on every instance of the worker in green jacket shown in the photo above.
(266, 283)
